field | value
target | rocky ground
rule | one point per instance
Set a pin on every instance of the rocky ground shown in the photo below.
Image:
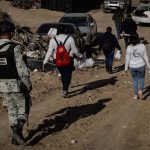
(99, 114)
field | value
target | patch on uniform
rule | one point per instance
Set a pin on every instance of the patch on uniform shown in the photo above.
(3, 61)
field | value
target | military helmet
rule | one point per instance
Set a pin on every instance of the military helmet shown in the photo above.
(6, 27)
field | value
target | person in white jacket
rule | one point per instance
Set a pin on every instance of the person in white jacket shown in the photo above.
(66, 72)
(136, 61)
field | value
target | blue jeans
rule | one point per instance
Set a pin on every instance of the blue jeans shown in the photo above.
(118, 29)
(138, 75)
(126, 40)
(109, 57)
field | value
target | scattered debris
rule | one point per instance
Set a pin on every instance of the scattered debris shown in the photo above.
(97, 76)
(35, 70)
(5, 16)
(26, 4)
(34, 46)
(73, 141)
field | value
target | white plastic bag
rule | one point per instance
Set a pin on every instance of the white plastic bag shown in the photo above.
(76, 63)
(118, 55)
(86, 63)
(89, 62)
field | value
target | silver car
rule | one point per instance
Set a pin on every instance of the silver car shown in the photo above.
(70, 29)
(142, 13)
(85, 23)
(113, 4)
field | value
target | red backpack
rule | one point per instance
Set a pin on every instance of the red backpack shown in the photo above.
(62, 56)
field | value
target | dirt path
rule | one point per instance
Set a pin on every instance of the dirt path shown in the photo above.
(128, 129)
(99, 114)
(114, 122)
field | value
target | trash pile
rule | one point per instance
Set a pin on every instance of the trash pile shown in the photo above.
(26, 4)
(5, 16)
(35, 46)
(27, 39)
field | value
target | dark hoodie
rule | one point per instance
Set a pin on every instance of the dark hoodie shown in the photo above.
(113, 38)
(118, 16)
(129, 26)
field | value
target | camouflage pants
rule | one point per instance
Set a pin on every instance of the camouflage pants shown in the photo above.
(15, 103)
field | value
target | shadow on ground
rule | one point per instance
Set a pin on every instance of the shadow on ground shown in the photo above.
(146, 92)
(93, 85)
(63, 118)
(119, 68)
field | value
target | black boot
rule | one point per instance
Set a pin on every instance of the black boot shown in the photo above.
(20, 128)
(110, 70)
(14, 141)
(107, 69)
(18, 138)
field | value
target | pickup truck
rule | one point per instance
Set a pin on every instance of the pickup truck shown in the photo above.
(109, 5)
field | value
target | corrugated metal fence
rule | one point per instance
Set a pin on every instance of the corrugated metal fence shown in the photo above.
(71, 5)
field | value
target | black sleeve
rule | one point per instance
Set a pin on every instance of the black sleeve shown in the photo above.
(116, 43)
(135, 26)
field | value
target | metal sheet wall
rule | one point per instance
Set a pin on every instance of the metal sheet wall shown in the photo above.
(71, 5)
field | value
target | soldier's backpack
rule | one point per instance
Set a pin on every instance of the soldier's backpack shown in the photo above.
(62, 55)
(107, 45)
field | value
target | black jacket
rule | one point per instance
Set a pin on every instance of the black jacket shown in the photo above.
(118, 16)
(129, 26)
(114, 40)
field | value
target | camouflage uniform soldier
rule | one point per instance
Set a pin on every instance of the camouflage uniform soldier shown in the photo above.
(13, 74)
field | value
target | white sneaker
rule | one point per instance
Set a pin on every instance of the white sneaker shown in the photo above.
(65, 94)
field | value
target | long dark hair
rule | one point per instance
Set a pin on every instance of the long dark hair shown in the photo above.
(134, 39)
(61, 30)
